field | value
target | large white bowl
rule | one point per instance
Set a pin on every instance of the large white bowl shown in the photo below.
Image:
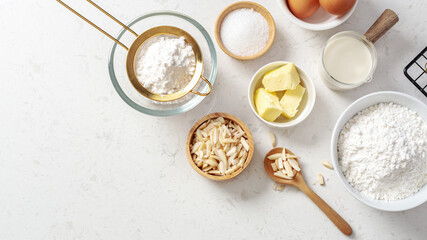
(307, 102)
(321, 20)
(360, 104)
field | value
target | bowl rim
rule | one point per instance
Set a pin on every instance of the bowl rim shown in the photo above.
(314, 26)
(310, 105)
(234, 119)
(256, 7)
(168, 112)
(334, 157)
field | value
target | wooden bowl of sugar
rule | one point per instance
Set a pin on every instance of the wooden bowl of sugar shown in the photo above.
(201, 164)
(245, 30)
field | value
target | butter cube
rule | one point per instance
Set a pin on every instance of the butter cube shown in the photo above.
(267, 104)
(291, 101)
(282, 78)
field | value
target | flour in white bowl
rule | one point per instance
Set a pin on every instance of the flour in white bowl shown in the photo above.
(383, 152)
(165, 64)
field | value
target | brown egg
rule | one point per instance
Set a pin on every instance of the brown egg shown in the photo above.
(337, 7)
(303, 8)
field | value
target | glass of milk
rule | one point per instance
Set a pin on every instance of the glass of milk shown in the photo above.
(348, 60)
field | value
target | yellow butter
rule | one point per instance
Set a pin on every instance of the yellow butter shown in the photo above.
(291, 101)
(267, 104)
(283, 78)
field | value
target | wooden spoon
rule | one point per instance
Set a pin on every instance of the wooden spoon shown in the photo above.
(298, 181)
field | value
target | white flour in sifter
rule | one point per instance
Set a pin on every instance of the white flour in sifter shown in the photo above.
(165, 64)
(244, 32)
(383, 151)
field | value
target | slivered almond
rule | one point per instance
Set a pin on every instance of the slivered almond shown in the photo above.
(280, 163)
(281, 175)
(240, 129)
(209, 127)
(225, 147)
(294, 164)
(229, 171)
(228, 140)
(204, 134)
(239, 147)
(212, 162)
(199, 134)
(215, 172)
(222, 156)
(273, 166)
(232, 157)
(272, 139)
(284, 153)
(231, 151)
(234, 162)
(202, 126)
(215, 136)
(200, 163)
(291, 156)
(238, 135)
(208, 148)
(220, 119)
(241, 153)
(327, 164)
(274, 156)
(244, 143)
(288, 168)
(320, 179)
(221, 167)
(196, 147)
(242, 159)
(207, 168)
(279, 187)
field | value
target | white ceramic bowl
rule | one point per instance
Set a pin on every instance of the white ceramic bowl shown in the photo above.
(307, 102)
(360, 104)
(321, 20)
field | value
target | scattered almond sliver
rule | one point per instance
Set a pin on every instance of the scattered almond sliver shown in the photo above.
(279, 187)
(327, 164)
(285, 165)
(219, 147)
(272, 139)
(320, 179)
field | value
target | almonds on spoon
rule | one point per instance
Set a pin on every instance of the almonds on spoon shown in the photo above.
(285, 166)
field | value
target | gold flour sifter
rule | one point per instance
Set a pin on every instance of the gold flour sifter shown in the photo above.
(139, 41)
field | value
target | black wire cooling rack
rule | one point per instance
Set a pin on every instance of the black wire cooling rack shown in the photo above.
(416, 71)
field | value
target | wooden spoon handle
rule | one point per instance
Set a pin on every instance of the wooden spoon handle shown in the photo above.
(341, 224)
(387, 20)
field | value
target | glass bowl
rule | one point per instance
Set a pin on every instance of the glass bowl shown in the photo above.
(117, 63)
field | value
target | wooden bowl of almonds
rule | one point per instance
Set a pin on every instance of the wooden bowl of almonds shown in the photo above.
(219, 146)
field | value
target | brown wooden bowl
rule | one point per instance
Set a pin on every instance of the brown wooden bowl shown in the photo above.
(237, 121)
(256, 7)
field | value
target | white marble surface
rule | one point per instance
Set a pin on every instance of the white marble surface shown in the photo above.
(77, 163)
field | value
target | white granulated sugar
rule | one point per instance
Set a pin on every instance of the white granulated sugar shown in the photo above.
(165, 64)
(244, 32)
(383, 152)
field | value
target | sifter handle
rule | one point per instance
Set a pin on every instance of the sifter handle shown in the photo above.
(98, 28)
(207, 93)
(387, 20)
